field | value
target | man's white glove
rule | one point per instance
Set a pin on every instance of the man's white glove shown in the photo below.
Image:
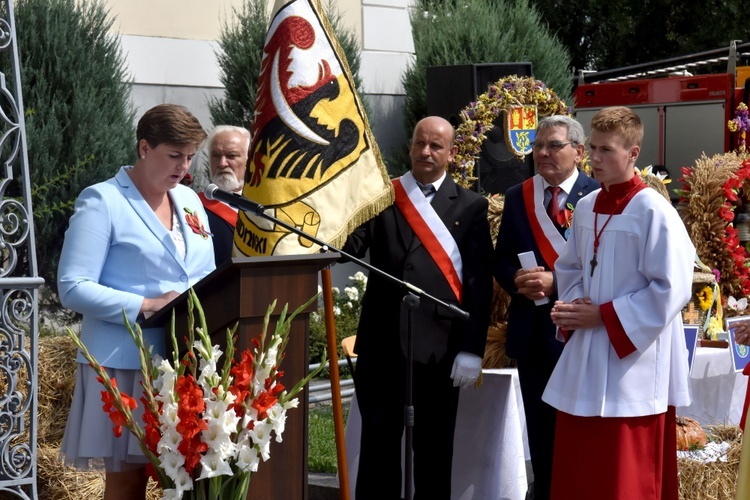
(466, 369)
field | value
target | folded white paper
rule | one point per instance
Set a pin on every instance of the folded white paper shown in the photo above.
(528, 261)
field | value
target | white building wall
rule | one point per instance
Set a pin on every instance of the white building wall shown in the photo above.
(170, 50)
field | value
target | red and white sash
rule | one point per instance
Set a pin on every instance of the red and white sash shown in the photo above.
(221, 209)
(548, 238)
(430, 230)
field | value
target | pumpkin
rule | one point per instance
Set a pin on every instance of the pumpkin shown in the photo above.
(690, 434)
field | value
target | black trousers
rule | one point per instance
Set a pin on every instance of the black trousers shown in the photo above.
(534, 372)
(380, 387)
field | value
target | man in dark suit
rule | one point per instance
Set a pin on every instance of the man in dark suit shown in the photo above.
(536, 218)
(439, 241)
(227, 156)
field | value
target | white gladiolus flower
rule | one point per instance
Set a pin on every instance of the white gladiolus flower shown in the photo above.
(261, 438)
(169, 414)
(182, 482)
(171, 494)
(248, 458)
(213, 464)
(277, 419)
(169, 441)
(292, 403)
(164, 383)
(172, 463)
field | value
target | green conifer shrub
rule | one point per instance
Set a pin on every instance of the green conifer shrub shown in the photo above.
(79, 120)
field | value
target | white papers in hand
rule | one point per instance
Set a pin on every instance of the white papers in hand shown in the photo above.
(528, 261)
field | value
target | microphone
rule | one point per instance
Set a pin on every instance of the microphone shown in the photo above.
(213, 192)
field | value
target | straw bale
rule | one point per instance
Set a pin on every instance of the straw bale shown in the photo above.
(57, 376)
(494, 352)
(59, 482)
(495, 214)
(714, 480)
(500, 303)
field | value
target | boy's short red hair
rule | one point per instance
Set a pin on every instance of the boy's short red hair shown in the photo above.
(622, 120)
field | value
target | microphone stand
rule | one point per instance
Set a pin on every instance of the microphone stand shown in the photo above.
(411, 301)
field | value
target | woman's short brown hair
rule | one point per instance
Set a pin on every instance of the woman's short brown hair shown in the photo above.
(169, 124)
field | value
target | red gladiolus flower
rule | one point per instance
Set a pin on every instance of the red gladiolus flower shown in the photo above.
(117, 417)
(152, 428)
(240, 396)
(192, 449)
(190, 395)
(263, 403)
(242, 372)
(276, 390)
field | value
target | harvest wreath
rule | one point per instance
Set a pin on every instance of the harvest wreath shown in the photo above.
(479, 117)
(713, 192)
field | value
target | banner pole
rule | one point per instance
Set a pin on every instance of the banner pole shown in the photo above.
(333, 361)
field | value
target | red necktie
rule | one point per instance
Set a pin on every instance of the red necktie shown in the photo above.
(553, 209)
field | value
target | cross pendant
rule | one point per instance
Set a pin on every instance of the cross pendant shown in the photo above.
(593, 265)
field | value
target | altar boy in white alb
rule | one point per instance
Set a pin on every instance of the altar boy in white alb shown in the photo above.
(623, 278)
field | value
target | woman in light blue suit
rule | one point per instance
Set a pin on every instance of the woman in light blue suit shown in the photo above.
(135, 242)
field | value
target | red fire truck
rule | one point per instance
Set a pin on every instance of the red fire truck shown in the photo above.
(684, 115)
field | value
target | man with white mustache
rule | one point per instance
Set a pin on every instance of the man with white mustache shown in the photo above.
(227, 152)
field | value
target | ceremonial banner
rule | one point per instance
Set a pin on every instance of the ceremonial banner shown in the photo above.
(313, 161)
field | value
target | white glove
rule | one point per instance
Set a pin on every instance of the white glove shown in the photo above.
(466, 369)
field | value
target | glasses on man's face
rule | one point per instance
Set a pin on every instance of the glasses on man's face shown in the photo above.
(553, 146)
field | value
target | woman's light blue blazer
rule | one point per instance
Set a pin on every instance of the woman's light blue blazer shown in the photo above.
(116, 252)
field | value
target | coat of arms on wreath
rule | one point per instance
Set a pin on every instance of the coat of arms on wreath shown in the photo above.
(520, 128)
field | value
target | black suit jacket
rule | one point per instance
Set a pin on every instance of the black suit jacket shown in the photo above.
(529, 325)
(395, 250)
(223, 237)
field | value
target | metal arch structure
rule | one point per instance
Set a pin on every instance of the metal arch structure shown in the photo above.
(19, 281)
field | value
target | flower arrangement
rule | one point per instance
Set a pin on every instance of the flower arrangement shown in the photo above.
(712, 191)
(740, 123)
(206, 429)
(479, 117)
(347, 305)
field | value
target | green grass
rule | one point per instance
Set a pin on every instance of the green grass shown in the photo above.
(321, 453)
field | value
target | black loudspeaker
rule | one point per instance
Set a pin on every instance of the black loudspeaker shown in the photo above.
(450, 89)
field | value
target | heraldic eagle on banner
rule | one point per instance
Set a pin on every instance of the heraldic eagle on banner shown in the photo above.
(313, 161)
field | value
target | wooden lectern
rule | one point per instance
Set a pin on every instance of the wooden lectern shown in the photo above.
(240, 291)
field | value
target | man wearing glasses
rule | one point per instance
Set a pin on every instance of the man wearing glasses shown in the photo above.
(536, 218)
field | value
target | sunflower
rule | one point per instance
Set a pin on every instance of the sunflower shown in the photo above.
(705, 298)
